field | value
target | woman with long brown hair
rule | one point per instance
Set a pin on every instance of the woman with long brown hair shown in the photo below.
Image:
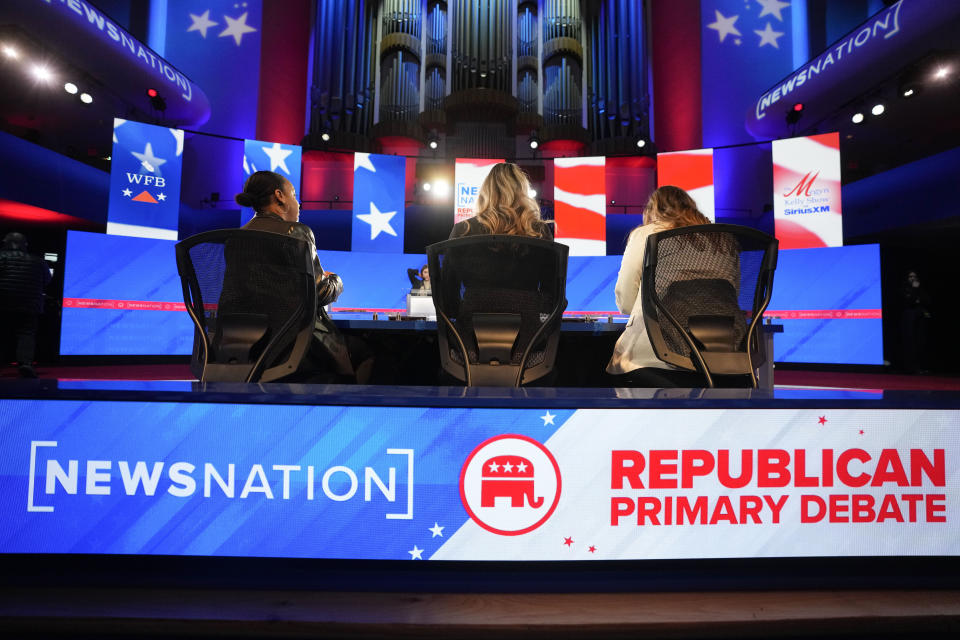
(633, 362)
(504, 206)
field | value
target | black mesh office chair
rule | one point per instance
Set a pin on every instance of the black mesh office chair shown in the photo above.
(704, 290)
(499, 302)
(252, 297)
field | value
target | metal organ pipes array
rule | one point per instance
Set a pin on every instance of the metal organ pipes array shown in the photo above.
(435, 89)
(527, 62)
(437, 29)
(399, 88)
(401, 16)
(435, 81)
(482, 44)
(562, 72)
(617, 99)
(527, 30)
(341, 93)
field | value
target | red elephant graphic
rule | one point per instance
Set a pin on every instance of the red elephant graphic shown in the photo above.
(508, 477)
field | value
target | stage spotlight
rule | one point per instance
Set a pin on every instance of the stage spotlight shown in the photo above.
(433, 139)
(427, 186)
(441, 187)
(878, 109)
(152, 93)
(906, 93)
(42, 73)
(11, 52)
(857, 118)
(941, 73)
(433, 144)
(86, 98)
(325, 136)
(533, 140)
(70, 88)
(641, 143)
(532, 193)
(156, 100)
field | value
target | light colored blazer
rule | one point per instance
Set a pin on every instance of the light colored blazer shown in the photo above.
(633, 349)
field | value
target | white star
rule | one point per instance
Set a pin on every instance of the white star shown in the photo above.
(493, 467)
(378, 221)
(149, 161)
(201, 23)
(773, 8)
(724, 26)
(415, 553)
(769, 36)
(127, 193)
(236, 27)
(522, 467)
(162, 196)
(363, 160)
(547, 418)
(508, 467)
(278, 157)
(436, 530)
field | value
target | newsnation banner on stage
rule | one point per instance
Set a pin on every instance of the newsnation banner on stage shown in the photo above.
(468, 175)
(476, 484)
(806, 192)
(692, 171)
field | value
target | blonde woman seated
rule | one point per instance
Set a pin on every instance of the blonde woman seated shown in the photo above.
(634, 362)
(504, 206)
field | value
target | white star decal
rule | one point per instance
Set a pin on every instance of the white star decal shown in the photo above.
(769, 36)
(149, 161)
(278, 157)
(116, 123)
(379, 222)
(415, 553)
(236, 27)
(547, 418)
(436, 530)
(773, 8)
(162, 196)
(201, 23)
(522, 467)
(508, 467)
(363, 160)
(724, 26)
(494, 466)
(127, 193)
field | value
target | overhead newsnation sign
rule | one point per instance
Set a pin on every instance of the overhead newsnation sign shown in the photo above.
(856, 63)
(475, 484)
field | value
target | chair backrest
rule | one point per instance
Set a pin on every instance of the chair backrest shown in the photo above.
(704, 290)
(252, 297)
(499, 302)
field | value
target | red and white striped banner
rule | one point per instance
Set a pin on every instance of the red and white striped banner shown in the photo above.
(692, 171)
(580, 205)
(806, 192)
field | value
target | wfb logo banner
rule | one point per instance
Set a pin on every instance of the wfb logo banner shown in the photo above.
(145, 180)
(806, 192)
(284, 159)
(692, 171)
(378, 212)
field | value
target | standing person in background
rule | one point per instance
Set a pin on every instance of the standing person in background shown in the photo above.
(419, 281)
(23, 277)
(914, 324)
(634, 363)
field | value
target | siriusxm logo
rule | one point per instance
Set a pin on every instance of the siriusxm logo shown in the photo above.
(185, 479)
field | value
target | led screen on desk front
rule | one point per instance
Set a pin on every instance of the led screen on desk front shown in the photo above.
(122, 296)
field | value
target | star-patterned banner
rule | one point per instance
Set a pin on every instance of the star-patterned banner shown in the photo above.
(478, 484)
(378, 206)
(284, 159)
(217, 44)
(746, 46)
(145, 180)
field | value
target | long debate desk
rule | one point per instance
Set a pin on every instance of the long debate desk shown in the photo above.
(585, 345)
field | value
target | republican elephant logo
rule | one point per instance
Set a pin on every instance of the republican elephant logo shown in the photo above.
(508, 477)
(510, 484)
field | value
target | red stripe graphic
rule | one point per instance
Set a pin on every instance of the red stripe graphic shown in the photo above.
(825, 314)
(128, 305)
(575, 222)
(685, 170)
(584, 179)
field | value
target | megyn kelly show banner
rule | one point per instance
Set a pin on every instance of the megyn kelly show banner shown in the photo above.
(806, 192)
(418, 483)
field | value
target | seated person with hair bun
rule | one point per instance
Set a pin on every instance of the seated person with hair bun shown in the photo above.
(330, 358)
